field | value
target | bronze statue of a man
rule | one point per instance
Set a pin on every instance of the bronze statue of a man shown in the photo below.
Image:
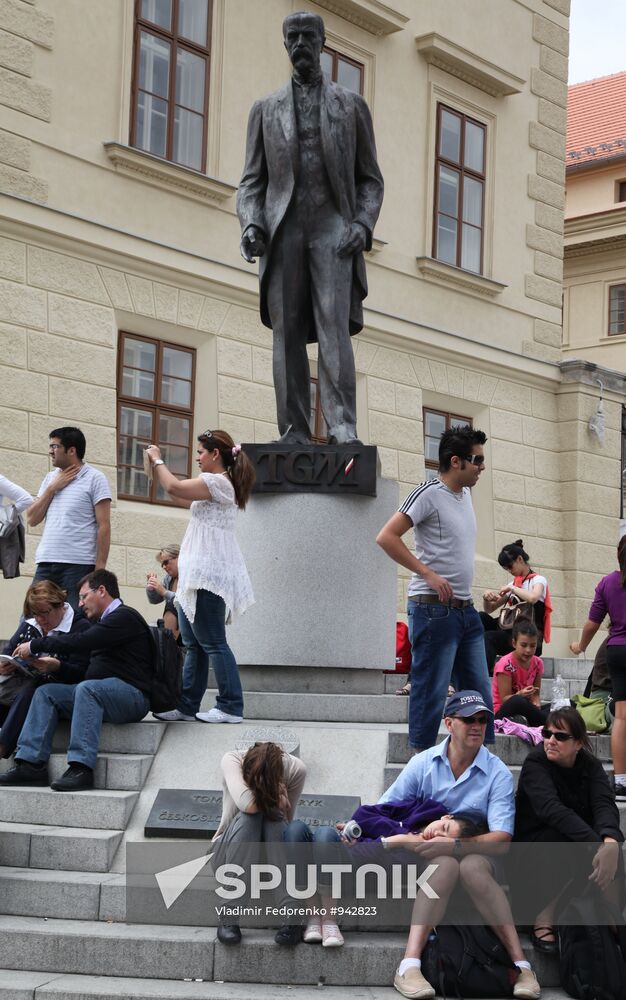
(308, 201)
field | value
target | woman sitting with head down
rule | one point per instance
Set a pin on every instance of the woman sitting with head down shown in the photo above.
(261, 789)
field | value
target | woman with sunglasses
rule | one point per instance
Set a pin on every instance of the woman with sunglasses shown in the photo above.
(610, 599)
(564, 795)
(156, 592)
(213, 583)
(527, 587)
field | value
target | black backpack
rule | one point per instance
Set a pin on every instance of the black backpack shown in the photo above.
(593, 965)
(468, 962)
(168, 661)
(167, 664)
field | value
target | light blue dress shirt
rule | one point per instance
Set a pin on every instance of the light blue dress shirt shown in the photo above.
(486, 786)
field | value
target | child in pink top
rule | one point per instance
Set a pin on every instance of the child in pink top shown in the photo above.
(516, 684)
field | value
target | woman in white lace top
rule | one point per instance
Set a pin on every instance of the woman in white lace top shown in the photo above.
(213, 583)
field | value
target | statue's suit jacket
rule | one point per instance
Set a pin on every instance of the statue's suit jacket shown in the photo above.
(270, 174)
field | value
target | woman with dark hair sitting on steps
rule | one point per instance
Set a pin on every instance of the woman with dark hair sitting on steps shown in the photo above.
(261, 789)
(564, 795)
(528, 589)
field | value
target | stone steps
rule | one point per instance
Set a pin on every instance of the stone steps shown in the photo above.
(66, 895)
(97, 948)
(48, 986)
(58, 848)
(134, 737)
(98, 809)
(318, 707)
(572, 668)
(121, 771)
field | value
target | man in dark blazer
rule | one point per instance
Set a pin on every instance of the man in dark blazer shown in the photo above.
(308, 201)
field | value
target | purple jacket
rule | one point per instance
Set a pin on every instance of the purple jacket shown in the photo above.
(387, 818)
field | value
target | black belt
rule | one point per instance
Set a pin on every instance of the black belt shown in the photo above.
(454, 602)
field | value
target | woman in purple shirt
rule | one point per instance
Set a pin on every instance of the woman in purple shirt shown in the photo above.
(610, 600)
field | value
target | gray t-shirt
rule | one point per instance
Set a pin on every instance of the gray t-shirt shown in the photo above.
(445, 535)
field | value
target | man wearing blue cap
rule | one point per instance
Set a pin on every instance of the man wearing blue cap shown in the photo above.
(462, 774)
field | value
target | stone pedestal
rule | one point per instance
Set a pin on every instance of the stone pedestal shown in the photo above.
(325, 592)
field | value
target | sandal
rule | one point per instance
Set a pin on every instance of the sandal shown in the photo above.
(406, 690)
(538, 939)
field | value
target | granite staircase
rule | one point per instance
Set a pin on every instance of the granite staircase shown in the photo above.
(63, 933)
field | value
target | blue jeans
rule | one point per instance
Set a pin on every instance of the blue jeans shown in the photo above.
(88, 705)
(66, 575)
(207, 637)
(445, 641)
(298, 832)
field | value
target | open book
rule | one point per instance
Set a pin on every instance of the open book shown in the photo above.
(21, 667)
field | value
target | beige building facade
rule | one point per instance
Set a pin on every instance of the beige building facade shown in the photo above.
(104, 243)
(594, 280)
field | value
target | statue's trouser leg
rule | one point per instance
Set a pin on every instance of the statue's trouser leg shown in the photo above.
(289, 305)
(331, 286)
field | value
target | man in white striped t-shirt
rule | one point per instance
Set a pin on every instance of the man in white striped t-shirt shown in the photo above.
(75, 501)
(447, 638)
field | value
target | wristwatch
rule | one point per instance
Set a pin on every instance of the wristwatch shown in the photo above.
(158, 461)
(456, 850)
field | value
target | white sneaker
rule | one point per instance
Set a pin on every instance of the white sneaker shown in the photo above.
(313, 932)
(216, 715)
(331, 936)
(173, 716)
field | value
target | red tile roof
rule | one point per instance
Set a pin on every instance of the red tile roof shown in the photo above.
(596, 120)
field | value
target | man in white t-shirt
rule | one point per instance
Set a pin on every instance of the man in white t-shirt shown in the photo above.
(75, 501)
(444, 627)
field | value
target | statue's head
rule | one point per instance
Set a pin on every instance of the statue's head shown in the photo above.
(304, 37)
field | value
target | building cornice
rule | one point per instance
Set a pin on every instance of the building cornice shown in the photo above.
(168, 176)
(467, 66)
(588, 373)
(590, 248)
(371, 15)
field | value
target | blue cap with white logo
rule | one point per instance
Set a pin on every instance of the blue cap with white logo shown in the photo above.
(465, 703)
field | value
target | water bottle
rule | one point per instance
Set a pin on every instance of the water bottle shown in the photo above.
(560, 697)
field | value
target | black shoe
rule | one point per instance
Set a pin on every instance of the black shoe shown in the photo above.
(288, 935)
(77, 778)
(229, 933)
(25, 773)
(538, 940)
